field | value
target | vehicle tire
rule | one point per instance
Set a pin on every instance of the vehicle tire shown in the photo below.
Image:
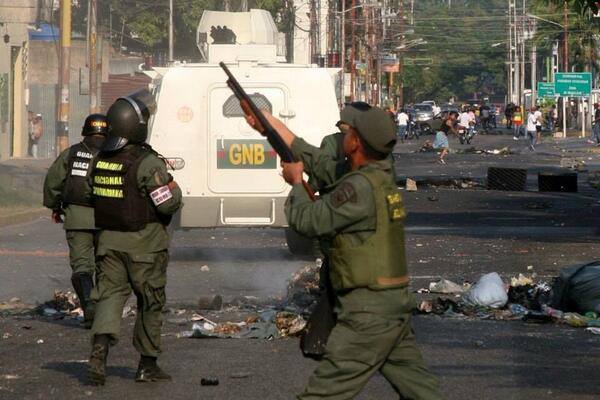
(300, 245)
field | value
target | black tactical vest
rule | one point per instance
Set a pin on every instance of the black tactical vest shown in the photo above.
(118, 203)
(77, 189)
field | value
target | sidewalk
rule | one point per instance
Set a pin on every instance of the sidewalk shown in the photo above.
(21, 182)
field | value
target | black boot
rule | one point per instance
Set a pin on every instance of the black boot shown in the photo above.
(83, 283)
(149, 371)
(97, 363)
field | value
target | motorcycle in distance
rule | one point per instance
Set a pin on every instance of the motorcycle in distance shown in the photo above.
(412, 131)
(465, 135)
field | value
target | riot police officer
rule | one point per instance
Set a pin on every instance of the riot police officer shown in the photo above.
(134, 199)
(67, 191)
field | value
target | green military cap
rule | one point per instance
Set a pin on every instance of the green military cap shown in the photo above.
(372, 123)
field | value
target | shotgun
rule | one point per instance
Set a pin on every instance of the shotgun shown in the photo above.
(262, 125)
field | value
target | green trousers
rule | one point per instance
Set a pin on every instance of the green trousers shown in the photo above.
(373, 333)
(118, 274)
(81, 250)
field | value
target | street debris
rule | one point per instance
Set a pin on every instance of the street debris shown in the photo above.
(594, 180)
(40, 341)
(209, 381)
(489, 291)
(9, 377)
(445, 286)
(571, 299)
(504, 151)
(15, 306)
(204, 268)
(411, 185)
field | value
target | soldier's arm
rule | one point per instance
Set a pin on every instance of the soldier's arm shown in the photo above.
(154, 179)
(318, 161)
(350, 203)
(55, 181)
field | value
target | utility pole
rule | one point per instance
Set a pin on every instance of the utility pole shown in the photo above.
(510, 97)
(533, 74)
(565, 62)
(401, 55)
(171, 58)
(522, 67)
(343, 54)
(353, 52)
(62, 123)
(313, 31)
(368, 55)
(93, 61)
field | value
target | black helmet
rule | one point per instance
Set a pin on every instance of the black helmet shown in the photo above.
(128, 120)
(95, 124)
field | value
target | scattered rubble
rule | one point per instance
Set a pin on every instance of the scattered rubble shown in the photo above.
(445, 286)
(15, 306)
(411, 185)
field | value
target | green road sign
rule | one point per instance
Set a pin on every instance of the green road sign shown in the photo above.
(573, 83)
(545, 89)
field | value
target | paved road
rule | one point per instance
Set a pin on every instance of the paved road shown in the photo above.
(457, 234)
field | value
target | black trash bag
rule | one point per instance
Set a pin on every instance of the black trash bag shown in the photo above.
(577, 288)
(529, 296)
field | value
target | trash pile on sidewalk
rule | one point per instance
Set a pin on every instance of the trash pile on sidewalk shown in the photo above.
(280, 318)
(572, 298)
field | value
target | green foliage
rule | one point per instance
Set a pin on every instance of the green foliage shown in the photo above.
(459, 42)
(146, 22)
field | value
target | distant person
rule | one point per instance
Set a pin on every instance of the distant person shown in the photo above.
(402, 123)
(531, 128)
(36, 133)
(517, 122)
(553, 118)
(509, 111)
(30, 118)
(596, 125)
(441, 137)
(538, 124)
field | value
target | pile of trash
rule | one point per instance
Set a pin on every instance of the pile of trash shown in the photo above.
(14, 306)
(268, 324)
(572, 298)
(63, 304)
(282, 318)
(504, 151)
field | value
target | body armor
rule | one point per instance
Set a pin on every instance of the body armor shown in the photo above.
(379, 262)
(77, 189)
(118, 203)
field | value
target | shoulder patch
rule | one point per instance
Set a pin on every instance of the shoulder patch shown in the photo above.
(342, 194)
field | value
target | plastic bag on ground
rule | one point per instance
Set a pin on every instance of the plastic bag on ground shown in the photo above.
(489, 291)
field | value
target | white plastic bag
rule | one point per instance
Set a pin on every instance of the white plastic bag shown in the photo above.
(489, 291)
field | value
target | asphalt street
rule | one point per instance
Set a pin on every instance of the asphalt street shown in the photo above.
(452, 232)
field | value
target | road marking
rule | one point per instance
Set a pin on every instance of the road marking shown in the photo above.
(36, 253)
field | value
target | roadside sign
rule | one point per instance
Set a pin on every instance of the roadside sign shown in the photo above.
(573, 84)
(545, 89)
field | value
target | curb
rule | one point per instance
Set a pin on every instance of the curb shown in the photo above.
(23, 216)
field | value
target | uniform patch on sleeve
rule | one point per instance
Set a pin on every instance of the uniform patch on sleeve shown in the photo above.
(344, 193)
(160, 178)
(161, 195)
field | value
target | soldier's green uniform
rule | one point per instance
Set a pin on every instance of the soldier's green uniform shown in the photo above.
(134, 199)
(67, 190)
(364, 216)
(135, 260)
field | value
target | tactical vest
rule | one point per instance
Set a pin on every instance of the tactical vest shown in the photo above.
(379, 262)
(118, 203)
(77, 189)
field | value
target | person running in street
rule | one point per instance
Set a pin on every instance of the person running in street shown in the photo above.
(531, 128)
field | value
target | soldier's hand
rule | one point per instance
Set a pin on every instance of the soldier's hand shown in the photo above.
(56, 217)
(292, 172)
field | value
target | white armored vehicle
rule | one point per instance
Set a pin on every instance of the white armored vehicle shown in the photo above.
(228, 173)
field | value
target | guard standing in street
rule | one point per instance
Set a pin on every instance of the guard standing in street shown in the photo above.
(135, 198)
(364, 216)
(67, 190)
